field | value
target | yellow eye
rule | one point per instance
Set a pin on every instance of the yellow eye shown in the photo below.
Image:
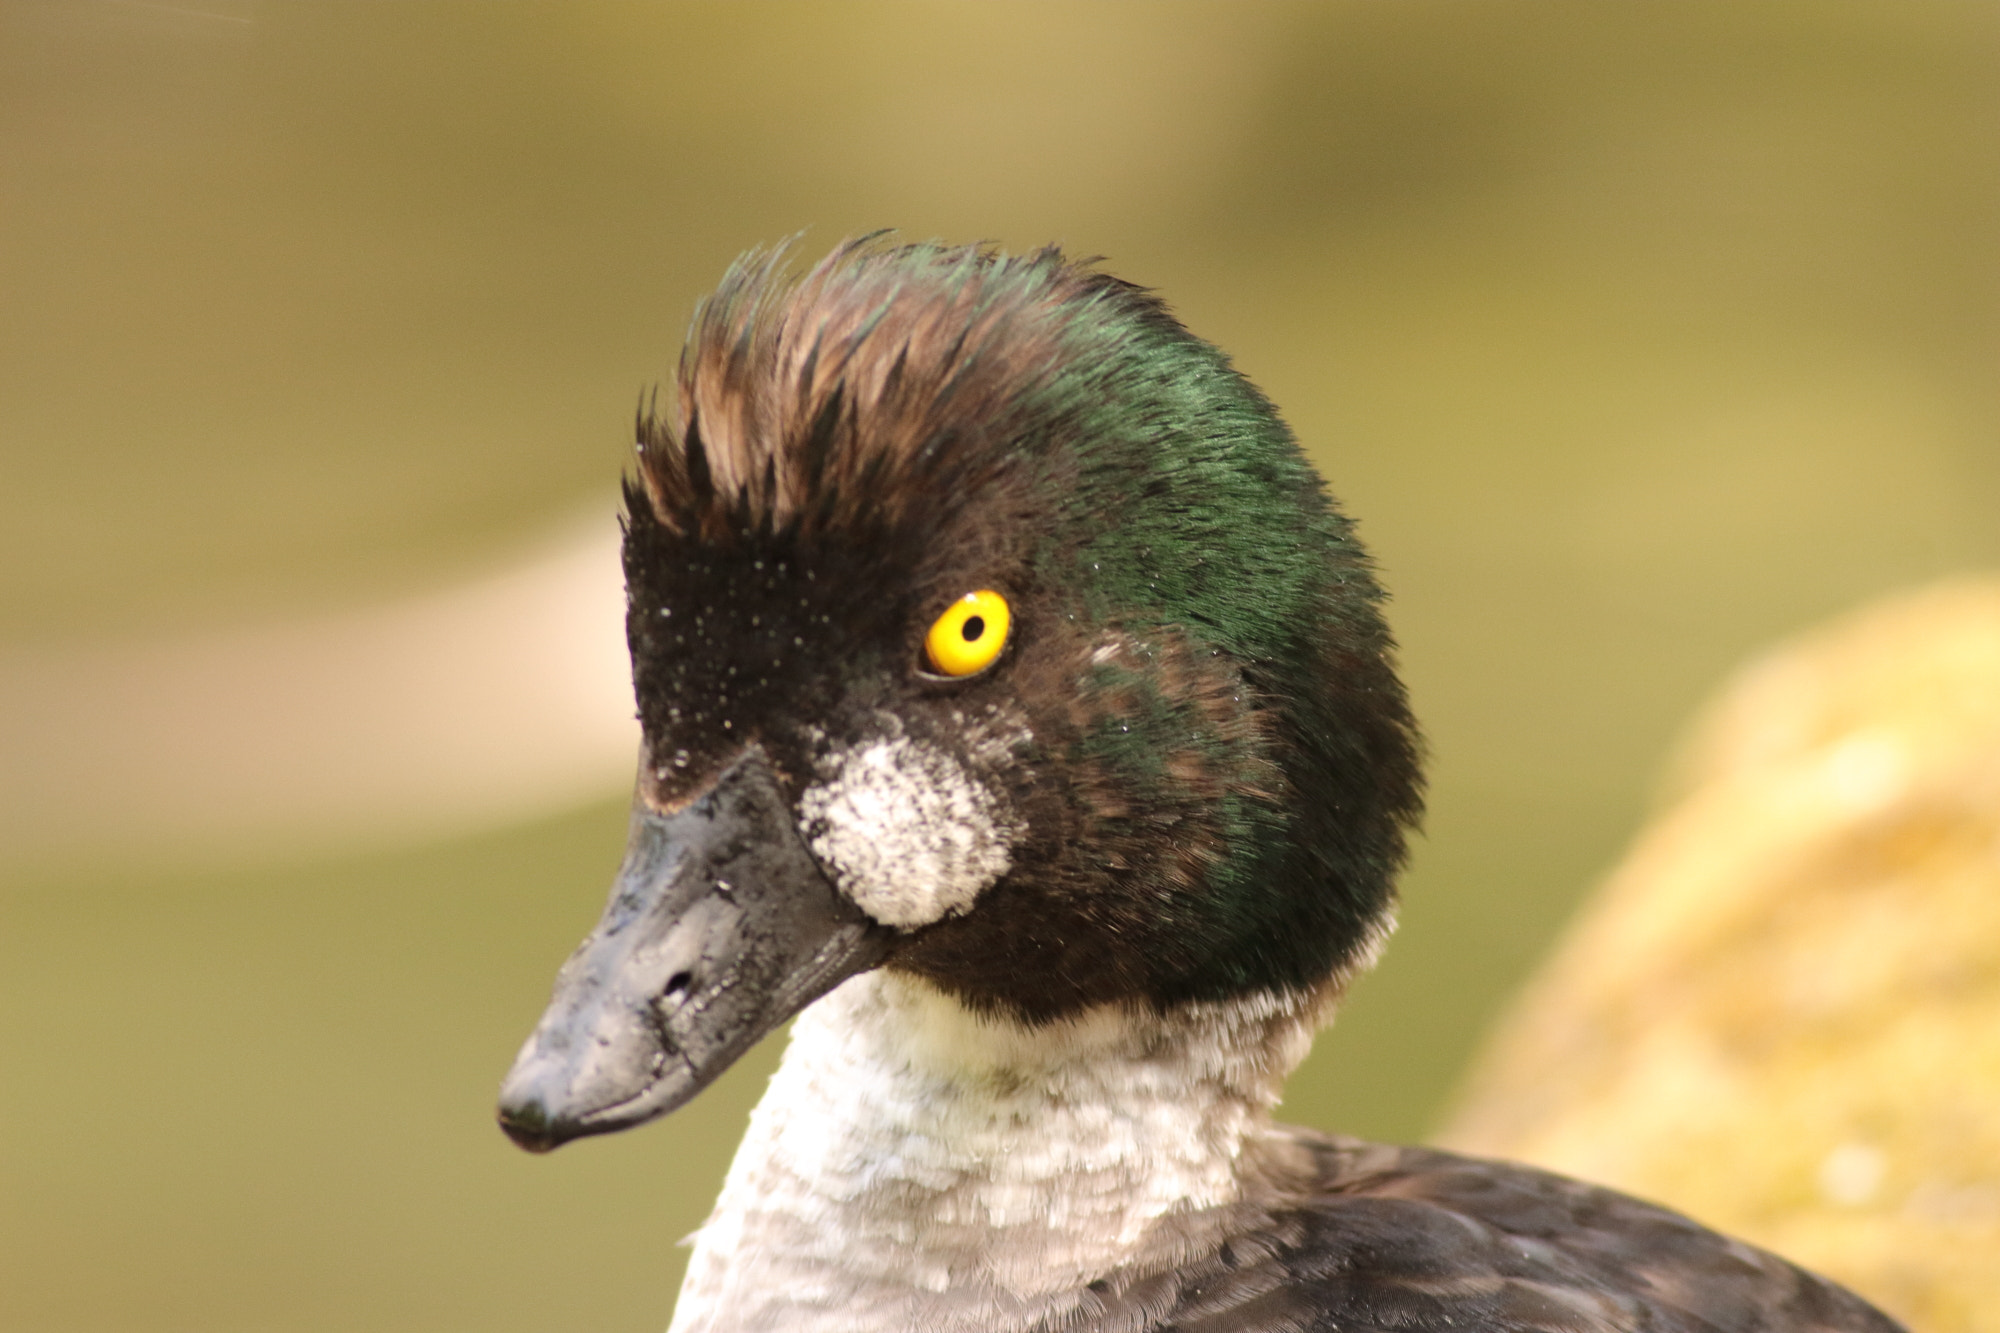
(969, 635)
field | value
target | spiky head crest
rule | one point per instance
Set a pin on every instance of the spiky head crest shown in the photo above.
(841, 395)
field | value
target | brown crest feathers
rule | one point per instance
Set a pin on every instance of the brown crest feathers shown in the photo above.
(803, 400)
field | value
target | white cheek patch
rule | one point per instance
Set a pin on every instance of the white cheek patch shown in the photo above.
(908, 834)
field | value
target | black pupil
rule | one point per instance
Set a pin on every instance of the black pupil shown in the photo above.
(974, 627)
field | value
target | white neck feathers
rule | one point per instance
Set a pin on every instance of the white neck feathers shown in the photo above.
(914, 1165)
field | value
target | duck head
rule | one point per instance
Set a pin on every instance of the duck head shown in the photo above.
(986, 625)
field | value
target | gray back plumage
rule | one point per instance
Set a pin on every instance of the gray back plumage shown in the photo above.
(1419, 1241)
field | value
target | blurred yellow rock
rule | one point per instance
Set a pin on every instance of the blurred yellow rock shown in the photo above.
(1781, 1014)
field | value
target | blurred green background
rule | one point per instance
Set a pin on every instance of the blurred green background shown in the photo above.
(1634, 335)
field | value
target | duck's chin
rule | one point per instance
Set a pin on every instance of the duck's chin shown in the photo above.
(929, 1166)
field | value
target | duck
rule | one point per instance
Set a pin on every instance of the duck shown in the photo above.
(1020, 722)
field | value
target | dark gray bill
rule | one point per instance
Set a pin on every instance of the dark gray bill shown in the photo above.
(720, 927)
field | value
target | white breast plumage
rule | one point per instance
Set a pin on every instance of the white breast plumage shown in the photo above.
(916, 1166)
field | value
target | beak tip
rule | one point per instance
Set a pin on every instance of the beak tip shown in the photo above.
(530, 1141)
(527, 1117)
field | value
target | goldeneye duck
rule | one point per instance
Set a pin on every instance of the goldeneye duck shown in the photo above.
(1018, 713)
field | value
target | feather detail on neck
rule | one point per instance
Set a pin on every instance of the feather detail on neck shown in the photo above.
(915, 1165)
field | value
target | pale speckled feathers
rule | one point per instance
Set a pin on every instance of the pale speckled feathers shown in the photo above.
(915, 1165)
